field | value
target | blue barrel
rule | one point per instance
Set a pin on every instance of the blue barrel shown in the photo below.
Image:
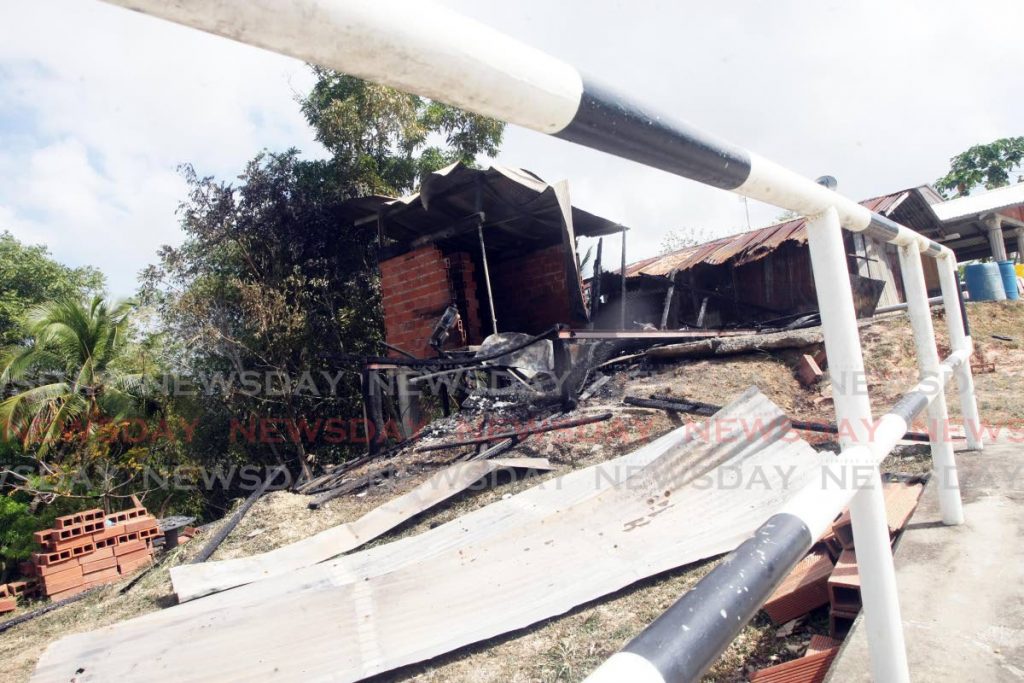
(984, 282)
(1009, 276)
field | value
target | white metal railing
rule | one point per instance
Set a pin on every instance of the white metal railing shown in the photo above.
(420, 47)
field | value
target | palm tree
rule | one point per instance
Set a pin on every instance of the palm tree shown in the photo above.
(72, 354)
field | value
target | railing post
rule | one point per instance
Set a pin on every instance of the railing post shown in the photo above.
(958, 341)
(943, 460)
(853, 415)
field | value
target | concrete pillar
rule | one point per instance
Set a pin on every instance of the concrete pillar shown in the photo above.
(994, 225)
(1019, 232)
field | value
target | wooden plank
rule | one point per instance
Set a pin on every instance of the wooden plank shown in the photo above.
(195, 580)
(518, 561)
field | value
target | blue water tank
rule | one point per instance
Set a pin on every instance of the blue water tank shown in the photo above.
(1009, 276)
(984, 282)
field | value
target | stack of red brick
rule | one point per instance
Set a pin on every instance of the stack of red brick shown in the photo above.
(9, 593)
(828, 576)
(90, 548)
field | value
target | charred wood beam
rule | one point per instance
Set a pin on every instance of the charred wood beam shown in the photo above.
(698, 408)
(520, 433)
(354, 485)
(222, 533)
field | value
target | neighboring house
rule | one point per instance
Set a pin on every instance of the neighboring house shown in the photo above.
(764, 275)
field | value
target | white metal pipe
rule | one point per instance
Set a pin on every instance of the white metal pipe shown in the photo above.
(853, 410)
(420, 47)
(943, 460)
(959, 341)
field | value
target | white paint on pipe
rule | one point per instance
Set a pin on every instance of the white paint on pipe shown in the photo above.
(625, 666)
(959, 341)
(943, 460)
(416, 46)
(887, 650)
(775, 184)
(839, 323)
(853, 411)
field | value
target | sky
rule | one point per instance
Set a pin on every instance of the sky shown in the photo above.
(99, 106)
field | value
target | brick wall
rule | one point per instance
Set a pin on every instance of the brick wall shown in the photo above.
(417, 287)
(530, 291)
(415, 292)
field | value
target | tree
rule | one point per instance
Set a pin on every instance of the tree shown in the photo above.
(677, 239)
(387, 141)
(71, 360)
(275, 278)
(989, 165)
(28, 276)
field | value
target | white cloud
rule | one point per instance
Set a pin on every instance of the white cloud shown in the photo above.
(99, 105)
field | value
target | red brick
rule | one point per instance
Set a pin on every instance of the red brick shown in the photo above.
(820, 643)
(8, 605)
(130, 547)
(60, 581)
(844, 584)
(109, 532)
(99, 564)
(802, 591)
(900, 502)
(135, 565)
(839, 622)
(809, 669)
(145, 522)
(77, 518)
(70, 592)
(107, 575)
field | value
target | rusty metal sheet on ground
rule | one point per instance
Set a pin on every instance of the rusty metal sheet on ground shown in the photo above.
(690, 495)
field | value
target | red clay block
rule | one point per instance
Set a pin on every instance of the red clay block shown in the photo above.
(27, 568)
(810, 669)
(133, 556)
(98, 554)
(68, 593)
(129, 567)
(844, 584)
(8, 605)
(50, 587)
(128, 548)
(807, 371)
(109, 532)
(803, 590)
(900, 502)
(821, 643)
(46, 559)
(839, 622)
(99, 564)
(145, 522)
(104, 576)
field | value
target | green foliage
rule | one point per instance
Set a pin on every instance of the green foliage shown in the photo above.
(28, 276)
(384, 140)
(989, 166)
(16, 528)
(63, 378)
(274, 277)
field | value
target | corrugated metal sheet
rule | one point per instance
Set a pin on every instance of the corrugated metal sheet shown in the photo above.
(747, 247)
(497, 569)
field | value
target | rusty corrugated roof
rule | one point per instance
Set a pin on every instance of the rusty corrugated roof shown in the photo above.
(747, 247)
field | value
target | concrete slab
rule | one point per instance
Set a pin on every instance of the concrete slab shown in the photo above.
(961, 588)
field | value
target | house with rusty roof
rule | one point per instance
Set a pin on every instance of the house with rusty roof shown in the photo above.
(764, 275)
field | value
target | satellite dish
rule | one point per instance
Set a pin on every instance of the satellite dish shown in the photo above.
(828, 181)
